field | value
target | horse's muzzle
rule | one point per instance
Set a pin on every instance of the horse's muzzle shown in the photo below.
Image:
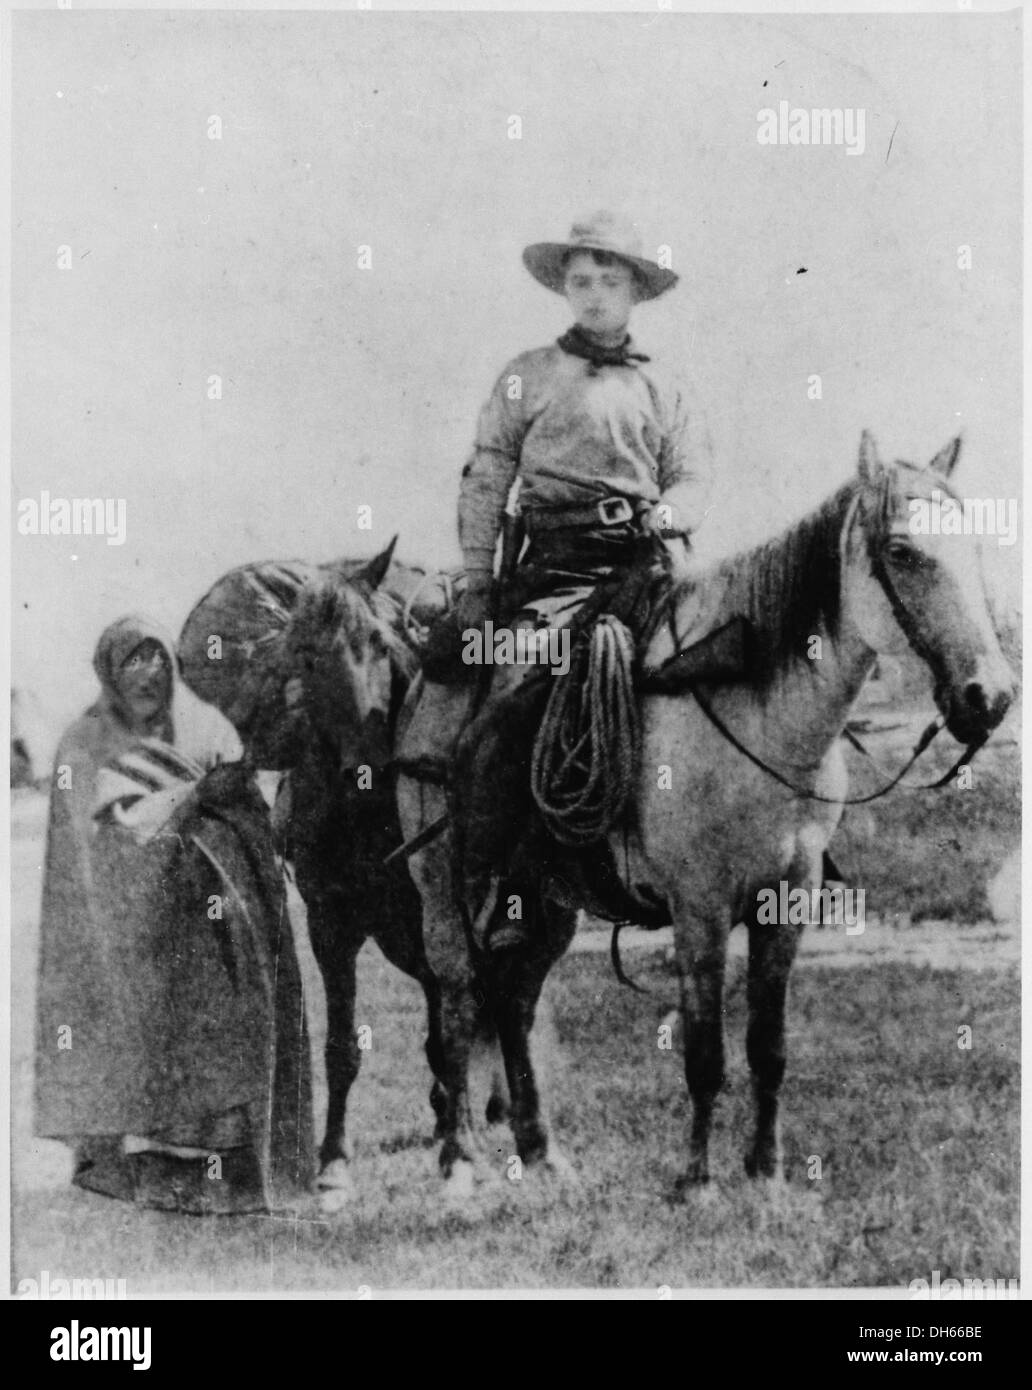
(370, 744)
(977, 707)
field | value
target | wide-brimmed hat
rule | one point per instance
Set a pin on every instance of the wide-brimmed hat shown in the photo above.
(603, 231)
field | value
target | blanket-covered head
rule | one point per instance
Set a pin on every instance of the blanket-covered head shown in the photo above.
(136, 666)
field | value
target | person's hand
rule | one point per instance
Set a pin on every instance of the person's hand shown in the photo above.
(679, 560)
(224, 784)
(474, 605)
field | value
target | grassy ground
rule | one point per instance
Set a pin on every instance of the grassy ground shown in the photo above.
(933, 853)
(918, 1142)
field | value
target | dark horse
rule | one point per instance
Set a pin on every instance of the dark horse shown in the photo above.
(351, 658)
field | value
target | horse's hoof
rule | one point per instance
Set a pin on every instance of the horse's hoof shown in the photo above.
(764, 1165)
(336, 1186)
(459, 1184)
(771, 1187)
(696, 1192)
(696, 1179)
(334, 1200)
(558, 1166)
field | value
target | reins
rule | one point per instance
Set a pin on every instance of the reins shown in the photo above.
(911, 631)
(934, 728)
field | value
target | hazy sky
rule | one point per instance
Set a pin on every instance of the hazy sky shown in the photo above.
(343, 386)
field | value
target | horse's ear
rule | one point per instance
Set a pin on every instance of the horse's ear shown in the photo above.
(945, 460)
(870, 466)
(375, 570)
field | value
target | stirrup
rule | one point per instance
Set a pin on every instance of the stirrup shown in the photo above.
(507, 936)
(493, 934)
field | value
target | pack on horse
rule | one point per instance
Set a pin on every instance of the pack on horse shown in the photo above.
(312, 665)
(736, 785)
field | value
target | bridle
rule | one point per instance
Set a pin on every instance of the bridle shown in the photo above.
(912, 632)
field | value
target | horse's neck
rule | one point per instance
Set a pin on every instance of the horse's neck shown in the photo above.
(800, 709)
(805, 706)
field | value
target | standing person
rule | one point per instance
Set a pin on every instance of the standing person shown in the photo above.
(606, 447)
(171, 1045)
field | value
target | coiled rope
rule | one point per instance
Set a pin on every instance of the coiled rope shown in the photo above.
(583, 765)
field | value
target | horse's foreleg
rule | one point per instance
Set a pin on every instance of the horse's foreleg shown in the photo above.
(401, 941)
(453, 1024)
(448, 956)
(516, 984)
(701, 947)
(458, 1021)
(498, 1107)
(336, 951)
(772, 950)
(515, 989)
(435, 1054)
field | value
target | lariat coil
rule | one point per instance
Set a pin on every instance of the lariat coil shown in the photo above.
(582, 771)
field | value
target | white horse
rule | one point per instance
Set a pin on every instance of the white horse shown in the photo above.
(735, 816)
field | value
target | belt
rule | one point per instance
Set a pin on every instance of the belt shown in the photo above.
(608, 511)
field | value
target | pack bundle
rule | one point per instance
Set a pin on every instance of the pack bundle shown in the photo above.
(234, 652)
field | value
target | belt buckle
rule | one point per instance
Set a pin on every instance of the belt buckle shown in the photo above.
(613, 510)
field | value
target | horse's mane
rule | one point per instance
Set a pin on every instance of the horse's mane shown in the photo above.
(403, 654)
(787, 588)
(326, 605)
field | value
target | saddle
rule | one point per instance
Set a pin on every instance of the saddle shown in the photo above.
(584, 874)
(583, 766)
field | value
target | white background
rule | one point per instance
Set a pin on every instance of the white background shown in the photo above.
(344, 387)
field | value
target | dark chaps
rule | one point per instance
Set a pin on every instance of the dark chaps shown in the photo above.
(497, 830)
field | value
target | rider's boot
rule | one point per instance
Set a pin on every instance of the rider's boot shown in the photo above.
(494, 807)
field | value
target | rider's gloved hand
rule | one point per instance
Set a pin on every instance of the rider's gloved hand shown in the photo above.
(474, 605)
(662, 520)
(679, 561)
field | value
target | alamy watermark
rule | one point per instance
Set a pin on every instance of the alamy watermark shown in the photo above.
(73, 516)
(798, 907)
(796, 125)
(942, 515)
(939, 1288)
(521, 646)
(79, 1343)
(54, 1286)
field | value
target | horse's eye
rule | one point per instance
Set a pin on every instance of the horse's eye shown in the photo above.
(378, 644)
(902, 555)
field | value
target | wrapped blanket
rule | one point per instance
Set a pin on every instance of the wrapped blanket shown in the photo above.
(170, 1004)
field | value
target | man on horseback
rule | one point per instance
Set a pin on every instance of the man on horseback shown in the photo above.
(606, 448)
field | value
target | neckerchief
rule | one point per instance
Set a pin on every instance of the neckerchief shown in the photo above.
(576, 342)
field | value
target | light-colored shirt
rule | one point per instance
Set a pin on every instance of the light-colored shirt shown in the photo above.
(574, 433)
